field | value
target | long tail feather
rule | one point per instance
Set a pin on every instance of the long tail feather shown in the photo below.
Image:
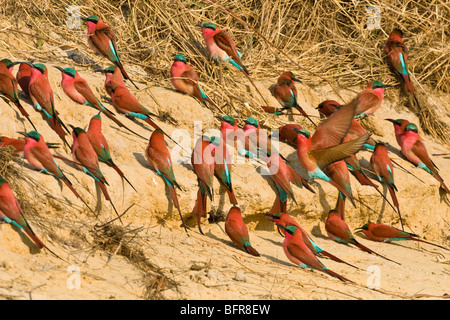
(334, 258)
(174, 197)
(70, 186)
(364, 248)
(337, 275)
(249, 249)
(107, 197)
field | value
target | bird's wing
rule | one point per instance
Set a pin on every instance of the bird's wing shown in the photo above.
(420, 151)
(83, 88)
(326, 156)
(334, 129)
(227, 44)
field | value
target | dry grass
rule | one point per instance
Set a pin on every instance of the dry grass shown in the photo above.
(323, 42)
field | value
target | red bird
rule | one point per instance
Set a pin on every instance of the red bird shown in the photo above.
(39, 157)
(286, 220)
(102, 39)
(382, 166)
(286, 93)
(298, 252)
(399, 128)
(77, 89)
(113, 78)
(397, 56)
(222, 48)
(327, 107)
(203, 163)
(185, 79)
(11, 212)
(288, 134)
(385, 233)
(222, 158)
(237, 231)
(339, 231)
(9, 87)
(41, 95)
(19, 145)
(326, 145)
(23, 77)
(415, 151)
(283, 176)
(126, 103)
(101, 147)
(83, 152)
(158, 156)
(369, 100)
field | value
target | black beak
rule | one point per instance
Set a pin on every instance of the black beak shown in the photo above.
(297, 80)
(59, 68)
(23, 133)
(199, 25)
(387, 86)
(219, 117)
(29, 63)
(84, 19)
(390, 120)
(16, 63)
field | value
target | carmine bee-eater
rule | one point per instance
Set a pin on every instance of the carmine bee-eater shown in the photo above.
(286, 220)
(369, 100)
(255, 139)
(327, 107)
(41, 95)
(23, 77)
(222, 48)
(11, 212)
(39, 157)
(338, 230)
(287, 133)
(237, 231)
(397, 56)
(185, 79)
(83, 152)
(286, 93)
(415, 151)
(101, 147)
(385, 233)
(9, 87)
(126, 103)
(399, 128)
(382, 166)
(77, 89)
(202, 162)
(298, 252)
(283, 176)
(222, 158)
(158, 156)
(325, 146)
(113, 77)
(102, 40)
(19, 145)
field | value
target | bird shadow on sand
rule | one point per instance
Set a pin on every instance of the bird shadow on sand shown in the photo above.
(32, 247)
(143, 162)
(362, 236)
(18, 114)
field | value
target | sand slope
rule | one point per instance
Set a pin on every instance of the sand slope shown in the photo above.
(150, 256)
